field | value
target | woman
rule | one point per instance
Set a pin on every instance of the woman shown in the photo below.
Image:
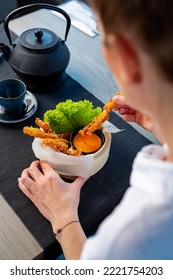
(138, 47)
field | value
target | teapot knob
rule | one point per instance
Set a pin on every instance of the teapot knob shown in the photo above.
(38, 33)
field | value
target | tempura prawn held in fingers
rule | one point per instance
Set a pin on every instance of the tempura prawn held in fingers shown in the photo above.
(101, 118)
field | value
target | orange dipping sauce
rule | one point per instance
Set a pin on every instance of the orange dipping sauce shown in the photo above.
(88, 143)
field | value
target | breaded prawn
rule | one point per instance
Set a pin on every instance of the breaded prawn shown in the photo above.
(57, 144)
(100, 119)
(38, 133)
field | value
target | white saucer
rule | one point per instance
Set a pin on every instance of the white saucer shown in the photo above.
(31, 105)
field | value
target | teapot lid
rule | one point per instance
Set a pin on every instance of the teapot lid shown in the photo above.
(38, 39)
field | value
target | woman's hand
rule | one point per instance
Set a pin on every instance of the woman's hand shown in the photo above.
(56, 200)
(131, 115)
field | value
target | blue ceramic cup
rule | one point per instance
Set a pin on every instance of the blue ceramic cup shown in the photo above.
(12, 95)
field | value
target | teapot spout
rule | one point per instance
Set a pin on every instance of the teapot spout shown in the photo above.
(6, 50)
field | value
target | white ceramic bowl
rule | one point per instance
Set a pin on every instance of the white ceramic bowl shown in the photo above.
(101, 156)
(69, 166)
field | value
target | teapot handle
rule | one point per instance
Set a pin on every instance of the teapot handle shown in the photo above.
(33, 7)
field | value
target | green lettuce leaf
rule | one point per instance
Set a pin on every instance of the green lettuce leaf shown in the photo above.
(69, 115)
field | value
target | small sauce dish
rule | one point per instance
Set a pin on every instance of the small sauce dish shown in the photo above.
(88, 144)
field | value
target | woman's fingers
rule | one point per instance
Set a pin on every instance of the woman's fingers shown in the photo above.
(128, 114)
(47, 169)
(23, 188)
(26, 179)
(129, 117)
(119, 100)
(126, 110)
(34, 171)
(79, 182)
(30, 179)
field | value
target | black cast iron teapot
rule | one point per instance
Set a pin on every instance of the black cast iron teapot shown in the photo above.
(38, 56)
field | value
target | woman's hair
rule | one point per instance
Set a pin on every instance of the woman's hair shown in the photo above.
(149, 21)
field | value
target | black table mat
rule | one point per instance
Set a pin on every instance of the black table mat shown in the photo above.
(101, 193)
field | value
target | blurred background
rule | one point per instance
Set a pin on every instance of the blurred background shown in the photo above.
(6, 8)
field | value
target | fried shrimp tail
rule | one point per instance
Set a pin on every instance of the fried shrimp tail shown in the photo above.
(100, 119)
(44, 125)
(73, 152)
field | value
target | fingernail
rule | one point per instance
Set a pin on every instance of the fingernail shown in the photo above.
(117, 99)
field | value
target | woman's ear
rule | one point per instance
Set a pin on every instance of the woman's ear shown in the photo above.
(124, 58)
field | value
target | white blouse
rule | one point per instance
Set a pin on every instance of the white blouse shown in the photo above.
(141, 226)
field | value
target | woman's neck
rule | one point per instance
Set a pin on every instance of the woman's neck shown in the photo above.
(164, 119)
